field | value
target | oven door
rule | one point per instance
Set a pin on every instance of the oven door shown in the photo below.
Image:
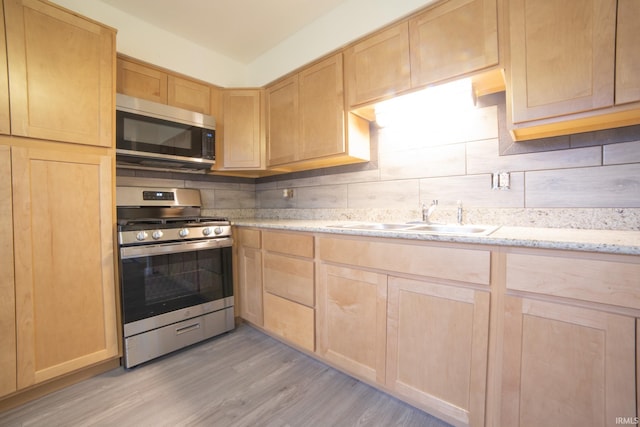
(158, 279)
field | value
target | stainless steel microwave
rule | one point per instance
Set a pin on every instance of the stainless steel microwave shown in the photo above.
(160, 136)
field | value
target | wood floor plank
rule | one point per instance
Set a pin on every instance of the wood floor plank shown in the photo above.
(243, 378)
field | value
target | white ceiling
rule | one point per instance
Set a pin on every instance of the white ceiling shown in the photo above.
(239, 29)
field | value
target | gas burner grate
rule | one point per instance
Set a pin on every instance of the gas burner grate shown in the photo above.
(173, 222)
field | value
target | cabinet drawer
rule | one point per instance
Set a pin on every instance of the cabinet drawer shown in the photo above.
(602, 281)
(249, 238)
(290, 278)
(467, 265)
(292, 321)
(289, 243)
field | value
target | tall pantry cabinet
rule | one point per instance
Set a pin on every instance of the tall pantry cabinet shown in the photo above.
(58, 301)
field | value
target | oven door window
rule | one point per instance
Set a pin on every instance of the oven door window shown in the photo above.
(156, 284)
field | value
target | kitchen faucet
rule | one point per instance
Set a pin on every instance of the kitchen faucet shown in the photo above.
(426, 212)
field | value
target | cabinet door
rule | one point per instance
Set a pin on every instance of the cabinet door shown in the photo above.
(290, 320)
(566, 365)
(5, 118)
(60, 74)
(7, 290)
(188, 94)
(250, 279)
(322, 109)
(627, 52)
(562, 57)
(242, 139)
(458, 37)
(65, 284)
(141, 82)
(437, 341)
(378, 67)
(351, 320)
(283, 121)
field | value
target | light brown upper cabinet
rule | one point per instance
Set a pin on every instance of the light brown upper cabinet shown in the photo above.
(322, 109)
(5, 118)
(141, 80)
(447, 41)
(60, 74)
(283, 123)
(628, 52)
(379, 66)
(562, 57)
(188, 94)
(240, 134)
(573, 68)
(453, 39)
(307, 123)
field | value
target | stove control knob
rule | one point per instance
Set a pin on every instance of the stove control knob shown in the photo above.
(156, 234)
(183, 232)
(217, 230)
(142, 235)
(206, 231)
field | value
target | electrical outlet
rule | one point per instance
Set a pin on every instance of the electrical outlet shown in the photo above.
(287, 193)
(501, 181)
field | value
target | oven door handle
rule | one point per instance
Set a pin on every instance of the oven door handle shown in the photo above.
(129, 252)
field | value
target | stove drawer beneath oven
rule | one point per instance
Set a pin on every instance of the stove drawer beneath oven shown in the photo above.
(149, 345)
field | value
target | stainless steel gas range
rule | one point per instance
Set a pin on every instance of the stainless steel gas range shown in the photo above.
(175, 271)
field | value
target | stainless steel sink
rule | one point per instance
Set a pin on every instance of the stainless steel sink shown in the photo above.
(413, 227)
(455, 229)
(372, 226)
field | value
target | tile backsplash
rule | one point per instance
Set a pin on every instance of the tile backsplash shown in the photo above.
(595, 187)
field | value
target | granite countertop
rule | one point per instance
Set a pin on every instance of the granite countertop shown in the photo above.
(603, 241)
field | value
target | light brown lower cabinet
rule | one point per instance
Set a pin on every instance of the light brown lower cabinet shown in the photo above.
(352, 320)
(437, 339)
(250, 275)
(289, 277)
(289, 290)
(569, 339)
(475, 336)
(566, 365)
(292, 321)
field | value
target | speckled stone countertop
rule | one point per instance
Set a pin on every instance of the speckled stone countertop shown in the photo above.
(603, 241)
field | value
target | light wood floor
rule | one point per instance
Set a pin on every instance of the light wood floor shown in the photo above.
(243, 378)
